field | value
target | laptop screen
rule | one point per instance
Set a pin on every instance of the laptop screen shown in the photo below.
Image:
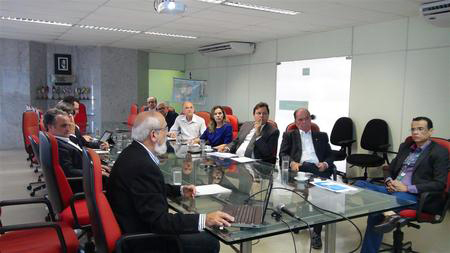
(106, 135)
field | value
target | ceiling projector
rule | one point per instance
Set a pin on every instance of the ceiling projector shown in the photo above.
(169, 7)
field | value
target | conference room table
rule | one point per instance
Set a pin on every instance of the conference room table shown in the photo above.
(248, 183)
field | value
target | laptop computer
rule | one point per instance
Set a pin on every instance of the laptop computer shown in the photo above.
(250, 216)
(105, 137)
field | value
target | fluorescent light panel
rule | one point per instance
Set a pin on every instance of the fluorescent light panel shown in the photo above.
(94, 27)
(171, 35)
(37, 21)
(260, 8)
(212, 1)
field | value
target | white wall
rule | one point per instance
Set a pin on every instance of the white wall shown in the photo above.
(166, 61)
(400, 69)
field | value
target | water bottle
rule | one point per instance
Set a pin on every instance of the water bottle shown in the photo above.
(285, 169)
(176, 174)
(202, 147)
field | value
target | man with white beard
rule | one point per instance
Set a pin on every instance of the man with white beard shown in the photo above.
(138, 195)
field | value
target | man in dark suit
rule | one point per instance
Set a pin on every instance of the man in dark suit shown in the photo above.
(256, 139)
(169, 116)
(308, 152)
(420, 166)
(138, 194)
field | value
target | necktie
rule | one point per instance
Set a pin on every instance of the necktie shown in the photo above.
(251, 145)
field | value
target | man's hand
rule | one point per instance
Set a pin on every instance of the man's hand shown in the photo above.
(88, 138)
(189, 191)
(221, 148)
(106, 170)
(218, 218)
(295, 166)
(172, 134)
(104, 145)
(257, 125)
(389, 186)
(322, 166)
(399, 186)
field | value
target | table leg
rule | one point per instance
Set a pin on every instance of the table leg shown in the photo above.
(330, 238)
(246, 247)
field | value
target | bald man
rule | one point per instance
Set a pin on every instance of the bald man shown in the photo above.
(308, 152)
(138, 195)
(151, 104)
(188, 125)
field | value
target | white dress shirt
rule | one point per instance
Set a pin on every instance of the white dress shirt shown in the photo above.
(189, 129)
(241, 150)
(67, 140)
(308, 152)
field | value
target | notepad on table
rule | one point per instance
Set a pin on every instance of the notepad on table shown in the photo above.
(222, 155)
(210, 189)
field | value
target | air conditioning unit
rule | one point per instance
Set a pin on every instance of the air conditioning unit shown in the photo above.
(231, 48)
(437, 12)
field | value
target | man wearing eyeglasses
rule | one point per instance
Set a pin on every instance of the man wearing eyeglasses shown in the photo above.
(308, 152)
(169, 116)
(256, 139)
(138, 195)
(421, 165)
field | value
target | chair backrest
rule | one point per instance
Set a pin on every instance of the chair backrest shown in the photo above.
(132, 115)
(375, 134)
(104, 224)
(205, 116)
(292, 126)
(81, 118)
(34, 140)
(273, 123)
(342, 130)
(142, 108)
(55, 179)
(228, 110)
(234, 124)
(30, 126)
(45, 157)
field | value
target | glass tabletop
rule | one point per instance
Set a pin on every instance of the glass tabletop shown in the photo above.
(248, 183)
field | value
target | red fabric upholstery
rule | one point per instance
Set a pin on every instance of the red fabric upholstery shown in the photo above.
(82, 214)
(108, 221)
(39, 240)
(30, 126)
(410, 213)
(227, 110)
(132, 115)
(273, 123)
(292, 126)
(234, 124)
(205, 116)
(142, 108)
(65, 191)
(81, 118)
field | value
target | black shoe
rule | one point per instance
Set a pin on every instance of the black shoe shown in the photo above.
(316, 241)
(388, 224)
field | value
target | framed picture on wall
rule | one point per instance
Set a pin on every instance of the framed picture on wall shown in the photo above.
(63, 64)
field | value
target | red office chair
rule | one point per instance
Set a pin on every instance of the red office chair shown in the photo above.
(107, 233)
(273, 123)
(205, 116)
(292, 126)
(41, 237)
(228, 110)
(419, 215)
(30, 126)
(234, 124)
(142, 108)
(81, 118)
(132, 116)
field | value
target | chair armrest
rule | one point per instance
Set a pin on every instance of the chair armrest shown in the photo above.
(15, 202)
(27, 226)
(424, 197)
(345, 142)
(74, 179)
(75, 197)
(129, 237)
(384, 147)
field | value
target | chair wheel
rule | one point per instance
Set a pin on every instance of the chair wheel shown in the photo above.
(32, 194)
(39, 179)
(29, 187)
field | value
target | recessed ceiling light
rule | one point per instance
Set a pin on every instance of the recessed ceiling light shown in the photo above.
(171, 35)
(38, 21)
(260, 8)
(103, 28)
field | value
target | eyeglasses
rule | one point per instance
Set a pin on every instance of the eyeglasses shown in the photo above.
(162, 128)
(261, 113)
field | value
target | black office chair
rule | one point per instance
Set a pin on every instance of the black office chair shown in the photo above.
(342, 135)
(375, 138)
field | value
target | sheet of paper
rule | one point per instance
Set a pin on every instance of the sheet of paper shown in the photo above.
(210, 189)
(332, 185)
(243, 159)
(101, 151)
(222, 155)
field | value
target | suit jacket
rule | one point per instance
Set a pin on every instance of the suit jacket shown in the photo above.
(138, 196)
(70, 159)
(82, 142)
(430, 170)
(170, 118)
(291, 146)
(265, 147)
